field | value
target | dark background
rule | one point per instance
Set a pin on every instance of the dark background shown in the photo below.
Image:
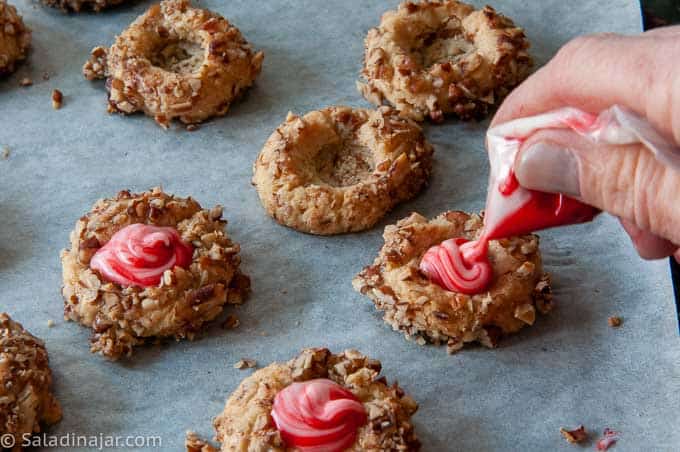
(658, 13)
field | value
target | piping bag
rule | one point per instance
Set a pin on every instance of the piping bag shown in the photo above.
(463, 266)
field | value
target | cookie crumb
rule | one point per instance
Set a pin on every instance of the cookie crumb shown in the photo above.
(615, 321)
(576, 436)
(245, 363)
(231, 322)
(5, 152)
(25, 82)
(46, 76)
(192, 127)
(50, 323)
(57, 99)
(609, 438)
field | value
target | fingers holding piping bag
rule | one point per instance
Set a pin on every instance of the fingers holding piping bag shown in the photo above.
(595, 72)
(627, 181)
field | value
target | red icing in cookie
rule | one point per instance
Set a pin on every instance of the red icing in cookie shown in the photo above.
(318, 416)
(138, 254)
(457, 265)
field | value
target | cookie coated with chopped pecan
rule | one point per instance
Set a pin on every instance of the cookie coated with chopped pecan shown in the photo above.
(26, 398)
(82, 5)
(122, 317)
(246, 422)
(427, 312)
(15, 38)
(341, 169)
(176, 62)
(434, 58)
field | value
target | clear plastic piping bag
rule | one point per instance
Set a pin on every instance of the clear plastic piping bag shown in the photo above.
(615, 125)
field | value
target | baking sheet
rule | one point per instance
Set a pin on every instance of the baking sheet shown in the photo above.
(570, 368)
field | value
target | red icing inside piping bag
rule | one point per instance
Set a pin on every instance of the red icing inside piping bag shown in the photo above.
(541, 211)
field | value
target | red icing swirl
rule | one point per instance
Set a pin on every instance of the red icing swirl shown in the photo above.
(138, 254)
(318, 416)
(458, 265)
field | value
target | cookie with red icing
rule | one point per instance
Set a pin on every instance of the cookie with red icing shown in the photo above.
(149, 265)
(318, 401)
(422, 291)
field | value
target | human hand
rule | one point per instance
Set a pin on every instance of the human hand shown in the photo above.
(592, 73)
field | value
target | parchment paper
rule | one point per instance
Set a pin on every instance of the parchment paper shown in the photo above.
(570, 368)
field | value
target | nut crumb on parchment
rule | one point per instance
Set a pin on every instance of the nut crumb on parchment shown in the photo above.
(57, 99)
(615, 321)
(575, 436)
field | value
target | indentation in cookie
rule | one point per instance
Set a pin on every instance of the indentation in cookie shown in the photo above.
(179, 56)
(344, 165)
(445, 45)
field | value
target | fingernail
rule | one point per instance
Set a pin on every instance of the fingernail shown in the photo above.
(546, 166)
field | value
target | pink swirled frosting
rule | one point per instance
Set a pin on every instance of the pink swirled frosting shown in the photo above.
(458, 265)
(138, 254)
(318, 416)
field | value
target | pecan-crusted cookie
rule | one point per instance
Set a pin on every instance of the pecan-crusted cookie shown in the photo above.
(340, 169)
(15, 38)
(26, 398)
(438, 57)
(82, 5)
(427, 312)
(246, 422)
(176, 61)
(122, 317)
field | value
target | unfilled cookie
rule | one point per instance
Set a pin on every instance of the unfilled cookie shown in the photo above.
(26, 398)
(247, 423)
(434, 58)
(427, 312)
(176, 62)
(340, 169)
(185, 297)
(15, 38)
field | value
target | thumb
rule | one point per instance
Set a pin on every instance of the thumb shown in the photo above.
(626, 181)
